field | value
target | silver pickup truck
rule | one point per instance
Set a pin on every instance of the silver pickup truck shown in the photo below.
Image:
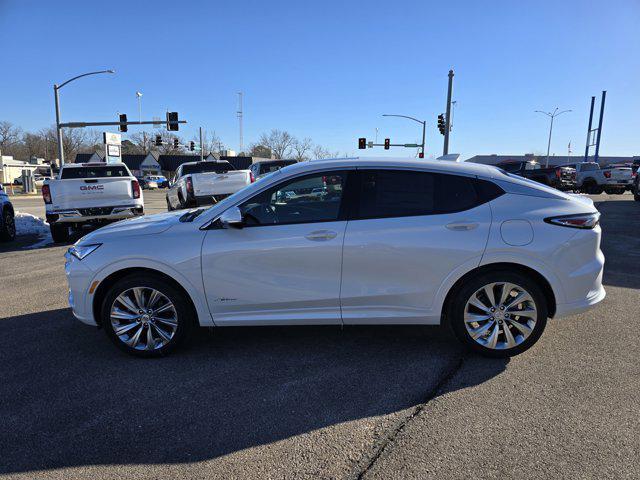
(90, 193)
(205, 183)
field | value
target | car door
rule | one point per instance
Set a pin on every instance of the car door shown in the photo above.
(284, 266)
(410, 230)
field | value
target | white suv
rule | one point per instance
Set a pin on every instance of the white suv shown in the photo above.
(388, 242)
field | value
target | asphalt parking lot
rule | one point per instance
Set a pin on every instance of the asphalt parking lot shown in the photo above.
(309, 402)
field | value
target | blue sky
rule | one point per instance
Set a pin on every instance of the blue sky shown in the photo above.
(328, 70)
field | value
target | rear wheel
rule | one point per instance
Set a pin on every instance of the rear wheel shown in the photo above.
(498, 314)
(169, 207)
(8, 230)
(59, 232)
(146, 316)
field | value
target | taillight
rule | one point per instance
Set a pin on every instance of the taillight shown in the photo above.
(607, 174)
(558, 173)
(46, 193)
(251, 177)
(189, 185)
(135, 189)
(581, 220)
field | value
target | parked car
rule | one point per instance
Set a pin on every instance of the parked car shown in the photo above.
(488, 253)
(160, 180)
(636, 186)
(90, 194)
(265, 167)
(7, 217)
(560, 177)
(204, 183)
(590, 178)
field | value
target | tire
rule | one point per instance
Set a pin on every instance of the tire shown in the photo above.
(636, 195)
(8, 230)
(523, 330)
(169, 207)
(59, 232)
(168, 328)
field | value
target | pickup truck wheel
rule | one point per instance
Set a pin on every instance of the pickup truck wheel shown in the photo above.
(146, 316)
(499, 313)
(8, 230)
(169, 207)
(636, 195)
(59, 232)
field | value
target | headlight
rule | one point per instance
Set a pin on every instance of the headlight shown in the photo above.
(81, 251)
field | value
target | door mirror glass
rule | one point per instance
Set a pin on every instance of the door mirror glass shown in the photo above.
(232, 218)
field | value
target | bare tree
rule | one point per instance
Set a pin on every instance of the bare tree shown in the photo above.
(302, 148)
(168, 142)
(211, 143)
(279, 142)
(257, 150)
(10, 136)
(321, 152)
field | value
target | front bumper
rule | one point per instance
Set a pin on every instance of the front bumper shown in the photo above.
(79, 280)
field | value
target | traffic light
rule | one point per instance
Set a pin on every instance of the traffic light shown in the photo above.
(123, 122)
(158, 141)
(172, 121)
(441, 124)
(362, 143)
(386, 143)
(176, 143)
(420, 155)
(192, 146)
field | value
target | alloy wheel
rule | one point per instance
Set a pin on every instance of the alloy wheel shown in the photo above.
(144, 318)
(500, 315)
(10, 225)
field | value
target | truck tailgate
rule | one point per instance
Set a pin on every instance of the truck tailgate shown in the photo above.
(211, 183)
(94, 192)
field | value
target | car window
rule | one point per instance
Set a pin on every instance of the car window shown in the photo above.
(532, 166)
(404, 193)
(208, 167)
(94, 172)
(510, 167)
(308, 199)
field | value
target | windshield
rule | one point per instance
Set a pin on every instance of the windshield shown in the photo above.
(203, 167)
(97, 171)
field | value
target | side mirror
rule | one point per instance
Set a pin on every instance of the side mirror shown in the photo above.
(232, 218)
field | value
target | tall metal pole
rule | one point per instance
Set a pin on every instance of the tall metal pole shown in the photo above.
(201, 146)
(546, 165)
(240, 119)
(58, 129)
(604, 96)
(586, 149)
(447, 126)
(424, 127)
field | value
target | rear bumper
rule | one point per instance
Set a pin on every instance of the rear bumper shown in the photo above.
(94, 214)
(573, 308)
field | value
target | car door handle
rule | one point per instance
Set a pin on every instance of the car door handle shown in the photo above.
(320, 235)
(461, 226)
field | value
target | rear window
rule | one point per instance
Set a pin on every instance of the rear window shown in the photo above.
(98, 171)
(397, 193)
(205, 167)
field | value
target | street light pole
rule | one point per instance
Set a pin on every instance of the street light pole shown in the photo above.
(552, 116)
(56, 89)
(424, 127)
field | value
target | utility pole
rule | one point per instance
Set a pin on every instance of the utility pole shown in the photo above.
(240, 119)
(445, 150)
(552, 116)
(56, 89)
(201, 146)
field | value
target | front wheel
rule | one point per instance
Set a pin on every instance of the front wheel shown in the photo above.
(59, 232)
(498, 314)
(146, 316)
(8, 229)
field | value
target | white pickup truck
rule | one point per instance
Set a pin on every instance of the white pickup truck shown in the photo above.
(90, 193)
(590, 178)
(205, 183)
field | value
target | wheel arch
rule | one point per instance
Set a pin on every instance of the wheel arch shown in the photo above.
(112, 278)
(540, 279)
(8, 206)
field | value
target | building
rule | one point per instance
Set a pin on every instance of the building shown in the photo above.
(553, 160)
(10, 168)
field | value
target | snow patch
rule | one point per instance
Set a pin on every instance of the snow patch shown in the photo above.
(27, 224)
